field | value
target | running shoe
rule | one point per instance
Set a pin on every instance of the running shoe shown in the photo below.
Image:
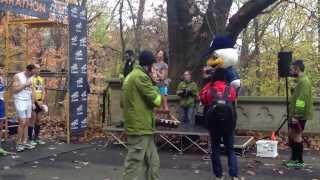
(33, 143)
(28, 146)
(20, 148)
(285, 162)
(295, 164)
(3, 152)
(40, 142)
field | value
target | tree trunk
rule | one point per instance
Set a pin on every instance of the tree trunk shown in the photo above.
(123, 44)
(187, 46)
(256, 54)
(138, 26)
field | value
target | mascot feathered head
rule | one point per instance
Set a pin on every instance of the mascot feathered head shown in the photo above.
(222, 53)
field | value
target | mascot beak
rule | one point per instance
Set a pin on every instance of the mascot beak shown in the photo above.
(215, 61)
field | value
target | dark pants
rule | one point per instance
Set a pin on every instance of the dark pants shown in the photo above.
(228, 141)
(186, 115)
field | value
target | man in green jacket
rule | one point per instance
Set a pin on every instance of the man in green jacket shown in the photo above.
(301, 110)
(188, 92)
(140, 97)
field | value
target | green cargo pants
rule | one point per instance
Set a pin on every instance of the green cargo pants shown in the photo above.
(142, 161)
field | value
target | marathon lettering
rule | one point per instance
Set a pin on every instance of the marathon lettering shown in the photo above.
(26, 4)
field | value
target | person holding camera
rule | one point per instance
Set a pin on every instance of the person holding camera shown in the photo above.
(300, 111)
(187, 91)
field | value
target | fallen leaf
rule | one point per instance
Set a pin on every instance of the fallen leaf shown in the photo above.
(6, 168)
(251, 173)
(269, 164)
(15, 157)
(309, 170)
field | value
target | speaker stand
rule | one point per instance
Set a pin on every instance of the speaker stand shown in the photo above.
(287, 104)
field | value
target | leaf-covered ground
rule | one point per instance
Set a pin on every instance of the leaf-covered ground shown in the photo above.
(96, 162)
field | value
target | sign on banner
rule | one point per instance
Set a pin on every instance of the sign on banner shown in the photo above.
(35, 8)
(58, 12)
(78, 81)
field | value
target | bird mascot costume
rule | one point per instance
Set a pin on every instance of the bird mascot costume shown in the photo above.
(222, 54)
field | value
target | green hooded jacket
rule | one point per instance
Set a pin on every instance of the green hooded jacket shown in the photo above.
(139, 99)
(192, 89)
(301, 104)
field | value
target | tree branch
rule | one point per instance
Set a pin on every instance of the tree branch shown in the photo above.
(132, 14)
(123, 45)
(246, 13)
(112, 14)
(94, 17)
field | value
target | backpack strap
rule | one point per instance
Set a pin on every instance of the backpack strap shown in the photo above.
(226, 93)
(214, 94)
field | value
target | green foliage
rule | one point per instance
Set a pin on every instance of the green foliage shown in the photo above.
(99, 31)
(295, 30)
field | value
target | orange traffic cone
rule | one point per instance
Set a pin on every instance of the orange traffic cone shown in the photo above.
(273, 136)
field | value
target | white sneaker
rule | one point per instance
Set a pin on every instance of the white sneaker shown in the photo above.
(29, 146)
(40, 142)
(33, 143)
(20, 148)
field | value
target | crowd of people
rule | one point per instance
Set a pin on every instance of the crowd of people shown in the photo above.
(146, 88)
(29, 99)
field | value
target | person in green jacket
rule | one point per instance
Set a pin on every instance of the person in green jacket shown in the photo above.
(300, 111)
(140, 97)
(187, 91)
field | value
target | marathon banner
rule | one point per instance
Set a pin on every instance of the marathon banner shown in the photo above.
(78, 81)
(35, 8)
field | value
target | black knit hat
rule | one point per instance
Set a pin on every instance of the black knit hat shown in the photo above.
(146, 58)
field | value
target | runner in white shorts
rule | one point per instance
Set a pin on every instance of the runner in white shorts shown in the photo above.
(23, 104)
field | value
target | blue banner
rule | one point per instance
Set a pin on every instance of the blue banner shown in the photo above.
(35, 8)
(78, 81)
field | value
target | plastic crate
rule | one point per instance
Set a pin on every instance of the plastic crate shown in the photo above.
(267, 148)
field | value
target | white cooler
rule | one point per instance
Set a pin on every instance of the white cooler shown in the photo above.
(267, 148)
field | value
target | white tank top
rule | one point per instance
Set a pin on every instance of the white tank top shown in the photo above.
(25, 94)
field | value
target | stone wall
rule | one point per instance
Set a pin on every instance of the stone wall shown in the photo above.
(254, 113)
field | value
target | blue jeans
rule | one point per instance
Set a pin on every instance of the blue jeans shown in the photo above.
(186, 116)
(228, 141)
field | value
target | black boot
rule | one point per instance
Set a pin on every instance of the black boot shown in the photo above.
(30, 133)
(36, 131)
(299, 152)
